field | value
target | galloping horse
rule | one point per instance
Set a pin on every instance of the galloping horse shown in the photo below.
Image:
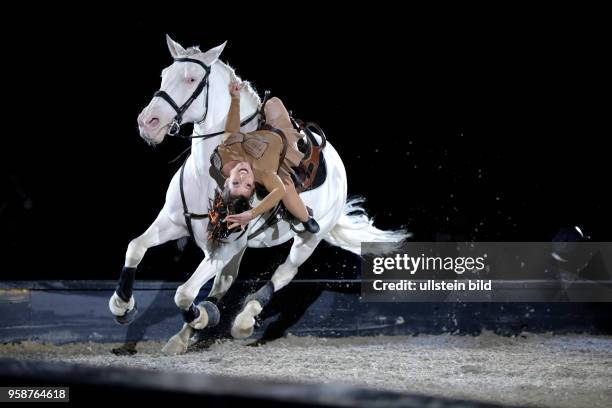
(200, 81)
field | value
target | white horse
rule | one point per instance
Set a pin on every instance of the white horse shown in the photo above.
(342, 223)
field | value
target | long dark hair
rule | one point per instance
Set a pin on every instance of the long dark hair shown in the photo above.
(222, 206)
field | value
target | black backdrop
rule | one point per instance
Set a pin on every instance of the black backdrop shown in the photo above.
(490, 134)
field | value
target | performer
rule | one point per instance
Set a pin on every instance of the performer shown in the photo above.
(257, 157)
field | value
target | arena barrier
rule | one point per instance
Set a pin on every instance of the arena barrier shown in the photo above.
(75, 311)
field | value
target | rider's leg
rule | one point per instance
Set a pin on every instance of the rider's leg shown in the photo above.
(293, 202)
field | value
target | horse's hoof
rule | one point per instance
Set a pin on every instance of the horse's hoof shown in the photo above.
(239, 333)
(174, 346)
(202, 321)
(124, 312)
(128, 317)
(124, 351)
(244, 324)
(209, 316)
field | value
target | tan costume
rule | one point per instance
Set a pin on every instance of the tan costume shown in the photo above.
(262, 149)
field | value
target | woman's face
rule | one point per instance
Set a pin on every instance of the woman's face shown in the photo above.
(241, 180)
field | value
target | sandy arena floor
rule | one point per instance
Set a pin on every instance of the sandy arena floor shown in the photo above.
(534, 370)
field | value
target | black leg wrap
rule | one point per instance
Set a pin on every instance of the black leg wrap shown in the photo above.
(190, 314)
(126, 283)
(212, 311)
(263, 295)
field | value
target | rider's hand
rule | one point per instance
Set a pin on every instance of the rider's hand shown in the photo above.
(239, 219)
(234, 89)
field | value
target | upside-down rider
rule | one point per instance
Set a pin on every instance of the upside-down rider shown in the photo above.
(261, 157)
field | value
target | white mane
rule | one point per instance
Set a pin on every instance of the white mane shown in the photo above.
(250, 91)
(191, 51)
(248, 88)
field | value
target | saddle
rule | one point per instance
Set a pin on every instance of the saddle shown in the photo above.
(276, 118)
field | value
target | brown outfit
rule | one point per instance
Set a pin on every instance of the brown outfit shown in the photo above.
(262, 149)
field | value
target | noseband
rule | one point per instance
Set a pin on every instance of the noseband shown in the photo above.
(175, 125)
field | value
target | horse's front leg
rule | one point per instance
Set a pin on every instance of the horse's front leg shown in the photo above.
(122, 303)
(226, 278)
(223, 265)
(301, 250)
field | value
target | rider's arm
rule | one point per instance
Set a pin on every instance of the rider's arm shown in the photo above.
(233, 118)
(276, 189)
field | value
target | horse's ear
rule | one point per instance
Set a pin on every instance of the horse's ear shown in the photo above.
(176, 50)
(211, 56)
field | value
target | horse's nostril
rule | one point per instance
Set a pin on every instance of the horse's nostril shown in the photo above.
(153, 122)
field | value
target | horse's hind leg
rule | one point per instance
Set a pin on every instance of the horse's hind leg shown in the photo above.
(300, 251)
(178, 343)
(122, 303)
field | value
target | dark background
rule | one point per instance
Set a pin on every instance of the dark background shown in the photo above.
(495, 132)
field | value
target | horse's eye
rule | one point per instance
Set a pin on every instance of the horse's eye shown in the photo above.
(191, 79)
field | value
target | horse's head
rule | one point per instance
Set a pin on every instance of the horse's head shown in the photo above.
(181, 97)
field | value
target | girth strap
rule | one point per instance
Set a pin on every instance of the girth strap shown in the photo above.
(188, 215)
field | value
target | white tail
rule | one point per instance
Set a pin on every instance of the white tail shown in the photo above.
(355, 227)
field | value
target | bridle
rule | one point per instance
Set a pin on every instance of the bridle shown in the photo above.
(175, 126)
